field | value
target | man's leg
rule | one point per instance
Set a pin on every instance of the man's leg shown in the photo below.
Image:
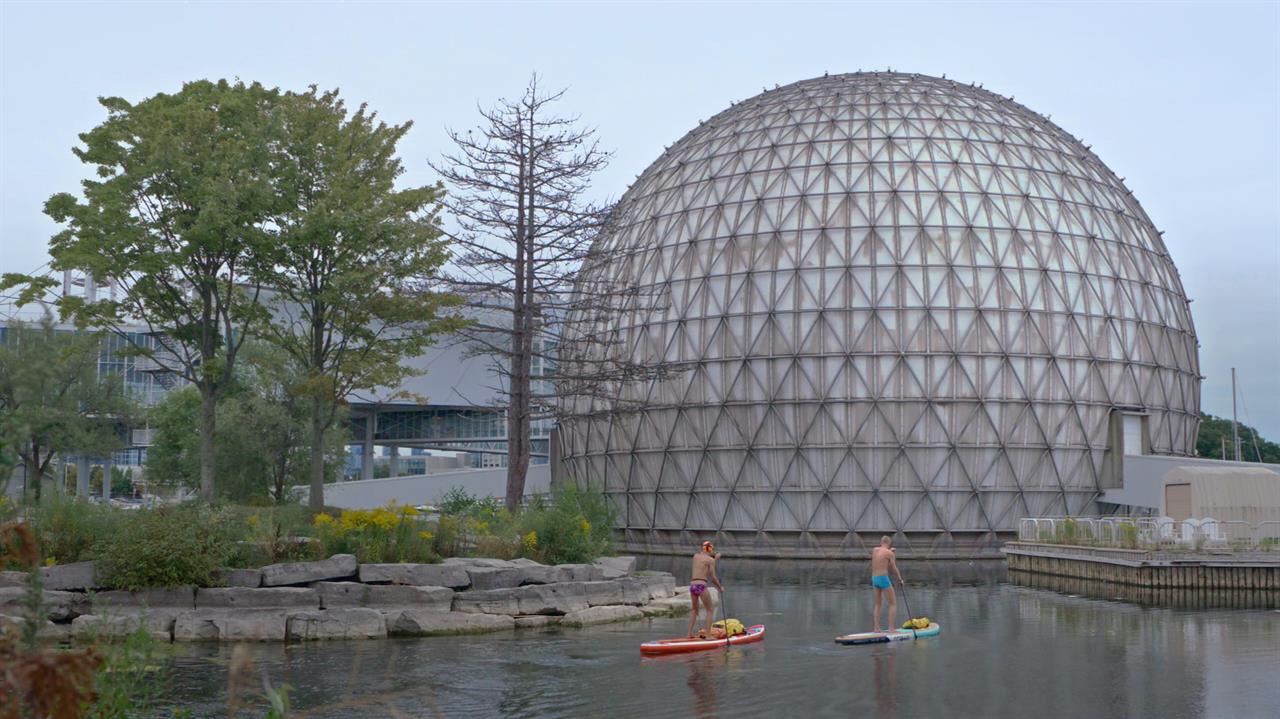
(711, 610)
(893, 608)
(875, 613)
(693, 615)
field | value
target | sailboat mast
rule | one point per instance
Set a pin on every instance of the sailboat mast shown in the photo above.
(1235, 426)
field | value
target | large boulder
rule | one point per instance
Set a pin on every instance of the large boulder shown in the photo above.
(495, 577)
(231, 625)
(347, 623)
(157, 622)
(233, 597)
(532, 572)
(339, 566)
(58, 606)
(14, 625)
(559, 598)
(453, 576)
(603, 593)
(670, 605)
(601, 615)
(423, 623)
(584, 572)
(71, 577)
(626, 565)
(491, 601)
(182, 597)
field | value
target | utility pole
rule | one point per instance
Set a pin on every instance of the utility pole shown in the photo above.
(1235, 427)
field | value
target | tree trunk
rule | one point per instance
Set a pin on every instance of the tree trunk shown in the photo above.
(32, 471)
(316, 499)
(208, 404)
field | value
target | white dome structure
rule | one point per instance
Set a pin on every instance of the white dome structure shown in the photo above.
(890, 304)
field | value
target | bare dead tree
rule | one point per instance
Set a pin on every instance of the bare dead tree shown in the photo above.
(524, 229)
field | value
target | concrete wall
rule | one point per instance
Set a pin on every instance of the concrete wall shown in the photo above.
(427, 488)
(1142, 483)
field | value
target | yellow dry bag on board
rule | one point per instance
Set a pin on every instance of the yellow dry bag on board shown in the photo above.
(734, 626)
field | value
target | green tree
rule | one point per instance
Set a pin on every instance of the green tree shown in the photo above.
(53, 401)
(179, 217)
(262, 436)
(348, 300)
(1215, 434)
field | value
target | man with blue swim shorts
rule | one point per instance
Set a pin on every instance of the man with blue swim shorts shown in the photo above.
(882, 563)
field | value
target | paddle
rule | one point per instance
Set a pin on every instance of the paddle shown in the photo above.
(724, 617)
(903, 586)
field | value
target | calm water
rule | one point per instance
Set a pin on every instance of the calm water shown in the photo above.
(1005, 651)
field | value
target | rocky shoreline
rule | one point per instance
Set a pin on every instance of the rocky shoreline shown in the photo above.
(339, 598)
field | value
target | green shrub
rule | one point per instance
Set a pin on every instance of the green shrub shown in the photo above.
(69, 529)
(273, 534)
(575, 525)
(167, 547)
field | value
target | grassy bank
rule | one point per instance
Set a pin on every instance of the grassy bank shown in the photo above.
(187, 543)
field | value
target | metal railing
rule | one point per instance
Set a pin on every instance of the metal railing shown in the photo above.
(1152, 533)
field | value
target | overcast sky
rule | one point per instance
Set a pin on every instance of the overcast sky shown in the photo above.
(1181, 99)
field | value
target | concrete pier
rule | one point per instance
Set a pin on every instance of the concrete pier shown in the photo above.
(1257, 571)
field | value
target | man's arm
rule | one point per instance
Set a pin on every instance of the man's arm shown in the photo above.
(714, 577)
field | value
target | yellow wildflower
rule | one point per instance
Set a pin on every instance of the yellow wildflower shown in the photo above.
(426, 536)
(50, 561)
(409, 511)
(586, 526)
(252, 521)
(322, 520)
(530, 540)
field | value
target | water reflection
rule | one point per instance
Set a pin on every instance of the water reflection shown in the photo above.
(1005, 651)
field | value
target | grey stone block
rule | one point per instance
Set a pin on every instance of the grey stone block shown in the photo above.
(182, 597)
(634, 592)
(584, 572)
(58, 606)
(339, 566)
(659, 584)
(453, 576)
(491, 601)
(346, 623)
(250, 578)
(262, 597)
(559, 598)
(542, 574)
(495, 577)
(437, 599)
(603, 593)
(537, 621)
(423, 623)
(341, 594)
(231, 625)
(71, 577)
(672, 605)
(13, 579)
(601, 615)
(157, 622)
(626, 565)
(15, 625)
(481, 562)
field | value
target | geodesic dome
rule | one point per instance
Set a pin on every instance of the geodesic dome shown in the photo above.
(896, 304)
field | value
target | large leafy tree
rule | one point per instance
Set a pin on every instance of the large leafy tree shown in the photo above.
(179, 217)
(348, 300)
(53, 401)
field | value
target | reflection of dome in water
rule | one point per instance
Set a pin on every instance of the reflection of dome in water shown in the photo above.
(902, 304)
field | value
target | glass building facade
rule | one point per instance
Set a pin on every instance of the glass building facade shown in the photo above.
(890, 303)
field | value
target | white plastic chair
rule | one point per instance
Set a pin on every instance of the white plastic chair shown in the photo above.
(1212, 531)
(1164, 529)
(1189, 528)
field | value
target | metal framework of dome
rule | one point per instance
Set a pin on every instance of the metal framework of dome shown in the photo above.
(896, 304)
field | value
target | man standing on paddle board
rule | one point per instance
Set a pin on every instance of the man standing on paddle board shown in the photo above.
(704, 567)
(883, 562)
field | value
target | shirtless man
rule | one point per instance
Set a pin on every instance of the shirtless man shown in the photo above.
(882, 562)
(704, 568)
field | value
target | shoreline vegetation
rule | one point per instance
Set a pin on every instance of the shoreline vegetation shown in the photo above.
(91, 595)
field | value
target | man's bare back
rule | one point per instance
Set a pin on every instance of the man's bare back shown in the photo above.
(703, 566)
(882, 558)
